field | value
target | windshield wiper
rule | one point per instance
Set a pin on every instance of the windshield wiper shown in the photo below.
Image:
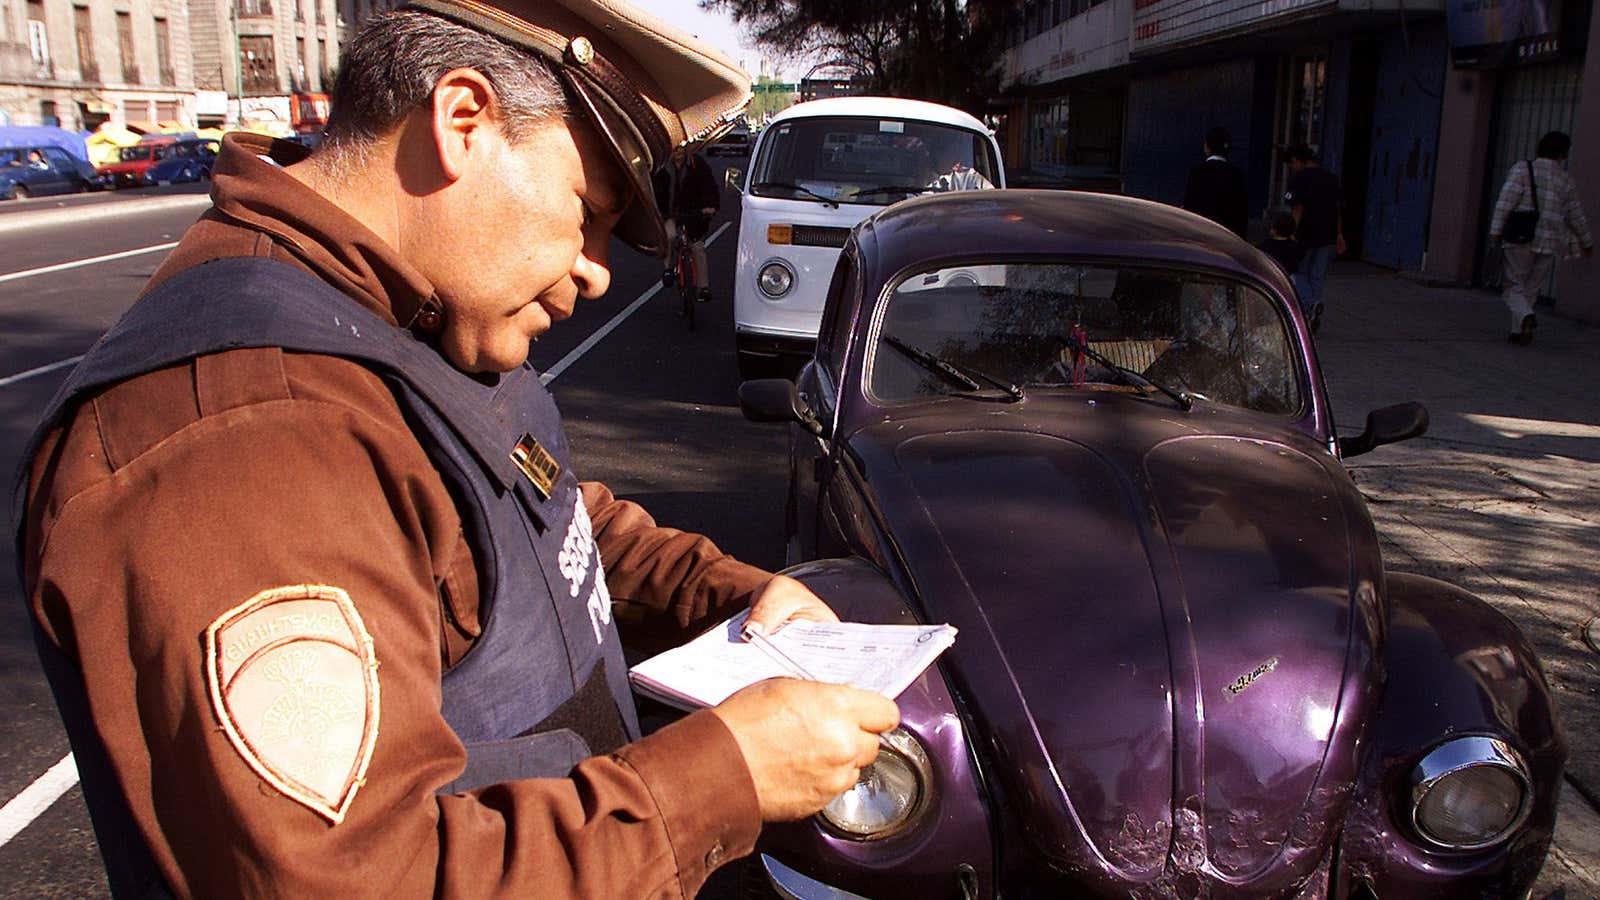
(788, 186)
(893, 189)
(1184, 401)
(966, 376)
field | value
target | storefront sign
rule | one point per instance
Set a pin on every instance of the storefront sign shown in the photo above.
(210, 103)
(1159, 24)
(1094, 40)
(310, 112)
(1492, 33)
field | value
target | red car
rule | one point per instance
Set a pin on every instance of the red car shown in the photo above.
(134, 163)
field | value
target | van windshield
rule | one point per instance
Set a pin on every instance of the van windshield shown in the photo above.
(875, 161)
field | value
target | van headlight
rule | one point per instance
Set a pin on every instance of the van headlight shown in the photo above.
(775, 279)
(1470, 793)
(890, 794)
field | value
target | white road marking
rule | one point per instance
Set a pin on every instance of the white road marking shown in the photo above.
(588, 343)
(23, 376)
(62, 267)
(22, 809)
(37, 797)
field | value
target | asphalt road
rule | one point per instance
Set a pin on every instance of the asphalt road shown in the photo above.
(651, 409)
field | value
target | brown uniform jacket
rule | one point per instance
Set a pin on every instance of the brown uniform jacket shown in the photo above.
(169, 499)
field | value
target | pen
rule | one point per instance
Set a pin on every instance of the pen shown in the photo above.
(766, 646)
(773, 653)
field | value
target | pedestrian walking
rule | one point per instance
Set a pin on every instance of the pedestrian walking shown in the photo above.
(1216, 187)
(1537, 218)
(325, 608)
(1315, 201)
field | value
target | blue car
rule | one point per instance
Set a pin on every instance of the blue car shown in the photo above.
(184, 161)
(39, 170)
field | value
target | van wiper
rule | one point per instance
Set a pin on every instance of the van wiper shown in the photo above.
(894, 189)
(789, 186)
(966, 376)
(1184, 401)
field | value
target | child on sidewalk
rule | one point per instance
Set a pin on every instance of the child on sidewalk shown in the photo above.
(1288, 253)
(1282, 247)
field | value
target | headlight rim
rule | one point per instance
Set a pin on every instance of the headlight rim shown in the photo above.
(782, 263)
(904, 744)
(1457, 754)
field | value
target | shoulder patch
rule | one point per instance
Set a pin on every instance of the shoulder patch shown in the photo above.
(294, 682)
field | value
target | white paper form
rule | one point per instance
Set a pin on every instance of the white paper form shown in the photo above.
(880, 658)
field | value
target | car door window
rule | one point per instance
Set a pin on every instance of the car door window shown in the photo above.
(60, 161)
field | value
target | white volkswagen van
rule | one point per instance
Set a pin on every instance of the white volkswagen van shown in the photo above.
(818, 168)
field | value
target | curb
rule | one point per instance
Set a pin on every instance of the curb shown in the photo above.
(77, 215)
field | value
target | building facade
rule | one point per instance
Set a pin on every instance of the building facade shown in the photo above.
(1417, 120)
(173, 63)
(78, 64)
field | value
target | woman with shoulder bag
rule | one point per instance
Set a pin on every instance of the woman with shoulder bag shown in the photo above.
(1536, 217)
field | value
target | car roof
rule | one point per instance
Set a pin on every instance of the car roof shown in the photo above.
(880, 107)
(970, 225)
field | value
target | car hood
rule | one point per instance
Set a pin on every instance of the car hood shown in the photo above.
(136, 165)
(1156, 637)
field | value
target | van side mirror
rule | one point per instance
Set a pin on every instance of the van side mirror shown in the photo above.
(734, 179)
(776, 400)
(1388, 425)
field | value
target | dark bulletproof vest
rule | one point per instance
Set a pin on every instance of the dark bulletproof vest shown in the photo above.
(545, 678)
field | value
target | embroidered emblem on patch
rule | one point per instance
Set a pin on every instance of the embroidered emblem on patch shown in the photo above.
(294, 682)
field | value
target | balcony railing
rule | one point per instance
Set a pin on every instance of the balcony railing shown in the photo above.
(88, 70)
(254, 7)
(131, 75)
(168, 76)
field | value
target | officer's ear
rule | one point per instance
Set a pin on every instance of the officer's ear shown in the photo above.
(465, 114)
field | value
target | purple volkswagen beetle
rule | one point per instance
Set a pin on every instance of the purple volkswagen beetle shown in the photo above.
(1090, 431)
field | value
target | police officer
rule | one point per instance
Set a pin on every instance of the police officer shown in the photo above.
(325, 609)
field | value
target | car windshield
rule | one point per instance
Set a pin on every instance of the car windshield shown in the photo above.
(1211, 338)
(876, 161)
(135, 153)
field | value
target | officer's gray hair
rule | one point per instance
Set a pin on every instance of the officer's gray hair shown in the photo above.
(391, 67)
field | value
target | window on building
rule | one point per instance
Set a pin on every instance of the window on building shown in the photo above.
(255, 7)
(130, 62)
(257, 64)
(300, 63)
(164, 52)
(322, 10)
(83, 31)
(38, 43)
(322, 62)
(47, 113)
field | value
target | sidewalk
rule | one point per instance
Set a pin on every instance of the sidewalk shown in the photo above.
(1501, 496)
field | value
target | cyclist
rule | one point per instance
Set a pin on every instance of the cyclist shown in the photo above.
(691, 199)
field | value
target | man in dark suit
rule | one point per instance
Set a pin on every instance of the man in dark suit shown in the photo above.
(1216, 187)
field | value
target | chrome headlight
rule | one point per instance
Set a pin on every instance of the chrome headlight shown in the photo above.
(775, 279)
(1470, 793)
(888, 796)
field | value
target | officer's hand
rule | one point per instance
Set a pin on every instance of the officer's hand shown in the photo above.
(783, 600)
(805, 742)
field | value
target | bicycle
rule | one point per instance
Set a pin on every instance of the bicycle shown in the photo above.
(684, 273)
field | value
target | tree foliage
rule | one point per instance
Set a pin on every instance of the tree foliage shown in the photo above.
(947, 51)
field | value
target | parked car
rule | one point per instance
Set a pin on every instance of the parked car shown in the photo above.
(135, 163)
(733, 142)
(40, 170)
(819, 168)
(1183, 669)
(182, 161)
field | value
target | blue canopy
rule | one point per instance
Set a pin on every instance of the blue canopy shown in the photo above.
(43, 135)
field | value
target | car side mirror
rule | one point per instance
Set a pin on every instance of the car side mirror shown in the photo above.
(734, 179)
(1388, 425)
(776, 400)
